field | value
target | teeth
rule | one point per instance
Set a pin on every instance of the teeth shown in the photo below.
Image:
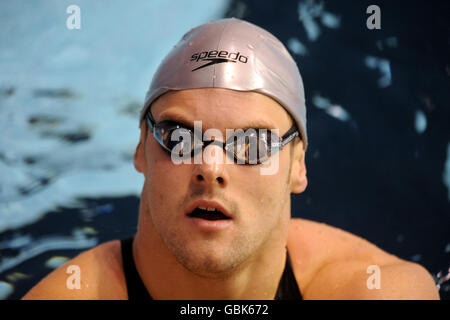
(211, 214)
(207, 208)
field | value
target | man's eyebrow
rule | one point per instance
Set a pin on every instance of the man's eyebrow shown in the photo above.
(258, 124)
(252, 124)
(176, 118)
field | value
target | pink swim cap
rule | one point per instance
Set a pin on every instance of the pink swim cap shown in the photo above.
(232, 54)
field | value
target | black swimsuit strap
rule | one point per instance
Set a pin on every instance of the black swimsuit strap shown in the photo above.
(287, 288)
(135, 286)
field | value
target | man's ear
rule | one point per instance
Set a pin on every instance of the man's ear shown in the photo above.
(299, 181)
(139, 155)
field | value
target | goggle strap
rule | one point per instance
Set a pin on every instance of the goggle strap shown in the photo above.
(289, 139)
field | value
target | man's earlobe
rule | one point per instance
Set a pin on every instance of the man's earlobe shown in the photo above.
(299, 181)
(139, 154)
(138, 158)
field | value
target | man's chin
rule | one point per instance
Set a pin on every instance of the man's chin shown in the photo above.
(207, 261)
(208, 268)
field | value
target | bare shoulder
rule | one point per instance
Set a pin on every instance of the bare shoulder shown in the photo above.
(330, 263)
(100, 277)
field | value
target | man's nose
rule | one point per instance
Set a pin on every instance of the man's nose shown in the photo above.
(212, 169)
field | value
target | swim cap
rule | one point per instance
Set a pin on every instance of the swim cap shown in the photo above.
(233, 54)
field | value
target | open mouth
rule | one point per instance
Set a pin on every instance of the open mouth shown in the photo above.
(208, 214)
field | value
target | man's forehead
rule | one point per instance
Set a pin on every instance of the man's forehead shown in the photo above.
(212, 95)
(240, 109)
(237, 122)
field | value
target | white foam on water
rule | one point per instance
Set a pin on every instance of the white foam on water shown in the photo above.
(420, 122)
(297, 47)
(5, 290)
(78, 240)
(334, 110)
(338, 112)
(383, 66)
(321, 102)
(330, 20)
(56, 261)
(312, 14)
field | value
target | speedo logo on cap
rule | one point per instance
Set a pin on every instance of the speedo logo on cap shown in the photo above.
(215, 57)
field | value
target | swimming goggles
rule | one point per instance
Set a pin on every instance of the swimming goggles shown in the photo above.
(250, 147)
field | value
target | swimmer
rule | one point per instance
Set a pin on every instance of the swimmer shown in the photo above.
(223, 230)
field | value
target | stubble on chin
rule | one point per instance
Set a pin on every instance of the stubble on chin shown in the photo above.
(209, 259)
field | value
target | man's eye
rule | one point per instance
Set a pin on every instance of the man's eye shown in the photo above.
(177, 135)
(249, 149)
(270, 138)
(263, 148)
(241, 150)
(173, 140)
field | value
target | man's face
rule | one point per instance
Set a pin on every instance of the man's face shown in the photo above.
(259, 204)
